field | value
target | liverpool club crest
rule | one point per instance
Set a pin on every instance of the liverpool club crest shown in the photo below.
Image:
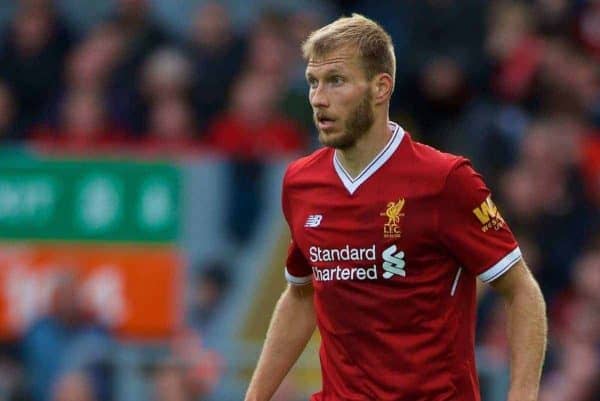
(391, 229)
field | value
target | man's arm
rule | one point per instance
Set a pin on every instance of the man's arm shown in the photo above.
(292, 325)
(527, 330)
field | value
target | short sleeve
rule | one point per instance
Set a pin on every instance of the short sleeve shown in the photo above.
(297, 269)
(471, 226)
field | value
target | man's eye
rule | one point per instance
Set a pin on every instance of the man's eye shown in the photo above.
(337, 80)
(312, 83)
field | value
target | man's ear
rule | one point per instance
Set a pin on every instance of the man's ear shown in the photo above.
(382, 88)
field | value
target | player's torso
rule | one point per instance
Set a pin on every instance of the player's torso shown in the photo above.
(387, 291)
(372, 252)
(373, 247)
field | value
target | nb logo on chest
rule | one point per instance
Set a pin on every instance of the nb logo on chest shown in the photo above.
(314, 220)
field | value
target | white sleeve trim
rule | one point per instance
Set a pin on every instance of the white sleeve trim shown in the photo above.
(501, 267)
(297, 280)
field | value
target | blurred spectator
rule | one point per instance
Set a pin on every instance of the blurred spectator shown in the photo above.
(8, 114)
(492, 348)
(172, 129)
(209, 289)
(294, 103)
(446, 61)
(274, 51)
(298, 26)
(67, 340)
(169, 384)
(90, 67)
(568, 81)
(74, 387)
(448, 29)
(190, 372)
(83, 126)
(165, 75)
(253, 128)
(554, 16)
(83, 117)
(587, 27)
(218, 54)
(513, 49)
(489, 133)
(590, 149)
(31, 57)
(251, 132)
(544, 195)
(142, 37)
(92, 61)
(492, 123)
(12, 380)
(269, 53)
(587, 279)
(576, 337)
(397, 18)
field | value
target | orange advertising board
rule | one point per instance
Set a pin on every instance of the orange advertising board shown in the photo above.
(136, 290)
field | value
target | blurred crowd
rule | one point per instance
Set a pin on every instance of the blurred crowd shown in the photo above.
(69, 353)
(513, 85)
(125, 81)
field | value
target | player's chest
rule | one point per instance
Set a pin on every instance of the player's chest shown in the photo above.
(381, 218)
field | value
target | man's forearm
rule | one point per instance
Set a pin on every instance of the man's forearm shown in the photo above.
(527, 330)
(291, 327)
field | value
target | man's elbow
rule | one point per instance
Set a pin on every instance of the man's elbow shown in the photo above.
(519, 282)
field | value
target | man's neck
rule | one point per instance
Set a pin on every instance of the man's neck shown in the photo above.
(356, 158)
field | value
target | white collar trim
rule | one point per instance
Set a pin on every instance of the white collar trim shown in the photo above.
(384, 155)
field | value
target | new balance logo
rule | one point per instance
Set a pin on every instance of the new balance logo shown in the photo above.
(393, 263)
(314, 220)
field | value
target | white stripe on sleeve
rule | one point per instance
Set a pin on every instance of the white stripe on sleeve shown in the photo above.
(501, 267)
(297, 280)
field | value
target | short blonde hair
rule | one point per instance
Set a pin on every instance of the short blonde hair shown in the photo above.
(373, 44)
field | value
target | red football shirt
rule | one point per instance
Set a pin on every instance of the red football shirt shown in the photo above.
(393, 255)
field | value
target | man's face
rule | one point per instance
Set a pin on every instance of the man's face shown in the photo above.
(340, 97)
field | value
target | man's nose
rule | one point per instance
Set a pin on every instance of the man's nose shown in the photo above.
(319, 98)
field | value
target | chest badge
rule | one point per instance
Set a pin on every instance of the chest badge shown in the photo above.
(314, 220)
(391, 229)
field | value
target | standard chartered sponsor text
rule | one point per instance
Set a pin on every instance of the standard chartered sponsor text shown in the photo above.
(343, 254)
(347, 253)
(345, 273)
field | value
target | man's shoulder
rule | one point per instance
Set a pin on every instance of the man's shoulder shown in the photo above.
(430, 164)
(434, 157)
(309, 166)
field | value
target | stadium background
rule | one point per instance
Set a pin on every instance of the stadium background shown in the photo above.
(142, 147)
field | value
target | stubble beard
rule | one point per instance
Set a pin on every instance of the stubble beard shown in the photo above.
(359, 122)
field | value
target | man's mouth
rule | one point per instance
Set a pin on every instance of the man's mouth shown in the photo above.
(325, 122)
